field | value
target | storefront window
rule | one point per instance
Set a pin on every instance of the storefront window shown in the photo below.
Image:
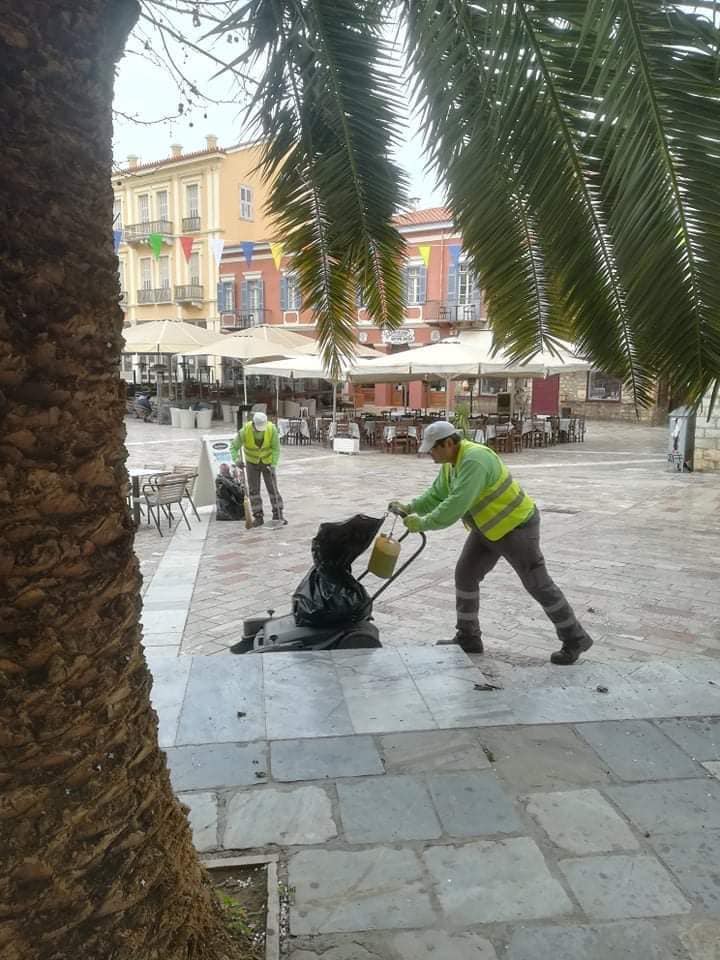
(602, 387)
(490, 386)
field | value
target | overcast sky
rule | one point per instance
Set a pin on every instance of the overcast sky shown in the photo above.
(147, 91)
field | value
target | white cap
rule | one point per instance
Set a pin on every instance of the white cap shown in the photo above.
(440, 430)
(259, 420)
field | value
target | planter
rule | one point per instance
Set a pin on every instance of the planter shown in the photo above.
(187, 419)
(346, 445)
(175, 416)
(227, 413)
(203, 419)
(272, 913)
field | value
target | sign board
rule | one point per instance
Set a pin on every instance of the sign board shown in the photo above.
(397, 337)
(214, 450)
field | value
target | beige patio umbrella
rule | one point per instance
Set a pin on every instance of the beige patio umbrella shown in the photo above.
(164, 337)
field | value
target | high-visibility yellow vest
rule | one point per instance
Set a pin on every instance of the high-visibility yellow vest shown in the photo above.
(253, 452)
(499, 508)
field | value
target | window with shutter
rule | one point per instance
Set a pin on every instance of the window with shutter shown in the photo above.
(194, 269)
(452, 289)
(192, 208)
(246, 202)
(146, 273)
(144, 207)
(161, 205)
(415, 283)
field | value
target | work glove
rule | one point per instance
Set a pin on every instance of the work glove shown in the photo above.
(413, 523)
(400, 509)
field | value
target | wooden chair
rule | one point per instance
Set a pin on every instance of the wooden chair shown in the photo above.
(554, 430)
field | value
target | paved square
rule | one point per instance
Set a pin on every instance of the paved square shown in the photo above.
(610, 888)
(637, 750)
(387, 808)
(581, 821)
(213, 765)
(434, 750)
(321, 758)
(300, 815)
(494, 881)
(694, 858)
(674, 807)
(543, 758)
(473, 805)
(378, 889)
(633, 940)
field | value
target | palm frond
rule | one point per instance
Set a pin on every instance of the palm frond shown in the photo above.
(514, 123)
(325, 107)
(657, 134)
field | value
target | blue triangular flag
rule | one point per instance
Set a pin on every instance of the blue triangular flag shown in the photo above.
(117, 240)
(247, 249)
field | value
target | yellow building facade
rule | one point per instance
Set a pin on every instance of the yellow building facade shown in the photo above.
(184, 203)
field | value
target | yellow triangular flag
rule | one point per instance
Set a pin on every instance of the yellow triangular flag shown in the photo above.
(424, 252)
(276, 249)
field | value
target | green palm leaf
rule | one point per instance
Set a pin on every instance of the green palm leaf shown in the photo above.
(325, 108)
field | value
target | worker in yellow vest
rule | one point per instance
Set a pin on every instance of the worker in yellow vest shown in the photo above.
(260, 441)
(476, 486)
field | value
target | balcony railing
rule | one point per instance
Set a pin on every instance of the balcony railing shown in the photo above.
(123, 298)
(140, 232)
(191, 224)
(155, 295)
(455, 313)
(189, 293)
(243, 319)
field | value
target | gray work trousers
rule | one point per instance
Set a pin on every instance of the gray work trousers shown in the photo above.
(254, 472)
(521, 549)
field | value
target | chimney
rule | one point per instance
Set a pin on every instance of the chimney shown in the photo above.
(132, 160)
(211, 141)
(175, 150)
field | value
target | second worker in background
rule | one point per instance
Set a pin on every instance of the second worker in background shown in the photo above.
(260, 441)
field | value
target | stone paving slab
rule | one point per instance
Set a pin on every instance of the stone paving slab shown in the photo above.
(374, 889)
(433, 750)
(389, 808)
(406, 945)
(543, 758)
(694, 859)
(257, 818)
(494, 881)
(636, 750)
(581, 822)
(203, 819)
(303, 697)
(221, 704)
(677, 806)
(472, 805)
(698, 738)
(216, 765)
(320, 759)
(632, 940)
(611, 888)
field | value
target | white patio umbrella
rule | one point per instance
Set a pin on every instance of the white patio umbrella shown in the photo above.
(471, 354)
(304, 368)
(164, 337)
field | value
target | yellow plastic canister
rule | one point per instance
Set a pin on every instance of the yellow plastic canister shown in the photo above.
(384, 556)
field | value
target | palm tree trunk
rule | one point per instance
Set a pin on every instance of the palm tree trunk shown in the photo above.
(98, 856)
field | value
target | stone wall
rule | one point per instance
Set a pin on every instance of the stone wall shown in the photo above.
(707, 437)
(573, 393)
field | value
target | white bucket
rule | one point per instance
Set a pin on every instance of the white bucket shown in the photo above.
(187, 419)
(227, 413)
(175, 416)
(203, 419)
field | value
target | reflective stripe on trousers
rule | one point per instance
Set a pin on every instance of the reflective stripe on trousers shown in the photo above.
(521, 549)
(254, 472)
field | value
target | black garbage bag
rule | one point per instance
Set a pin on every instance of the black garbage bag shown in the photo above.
(229, 499)
(329, 595)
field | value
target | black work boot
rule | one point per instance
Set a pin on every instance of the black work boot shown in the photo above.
(571, 650)
(469, 642)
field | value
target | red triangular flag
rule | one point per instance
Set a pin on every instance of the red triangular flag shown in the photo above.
(186, 243)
